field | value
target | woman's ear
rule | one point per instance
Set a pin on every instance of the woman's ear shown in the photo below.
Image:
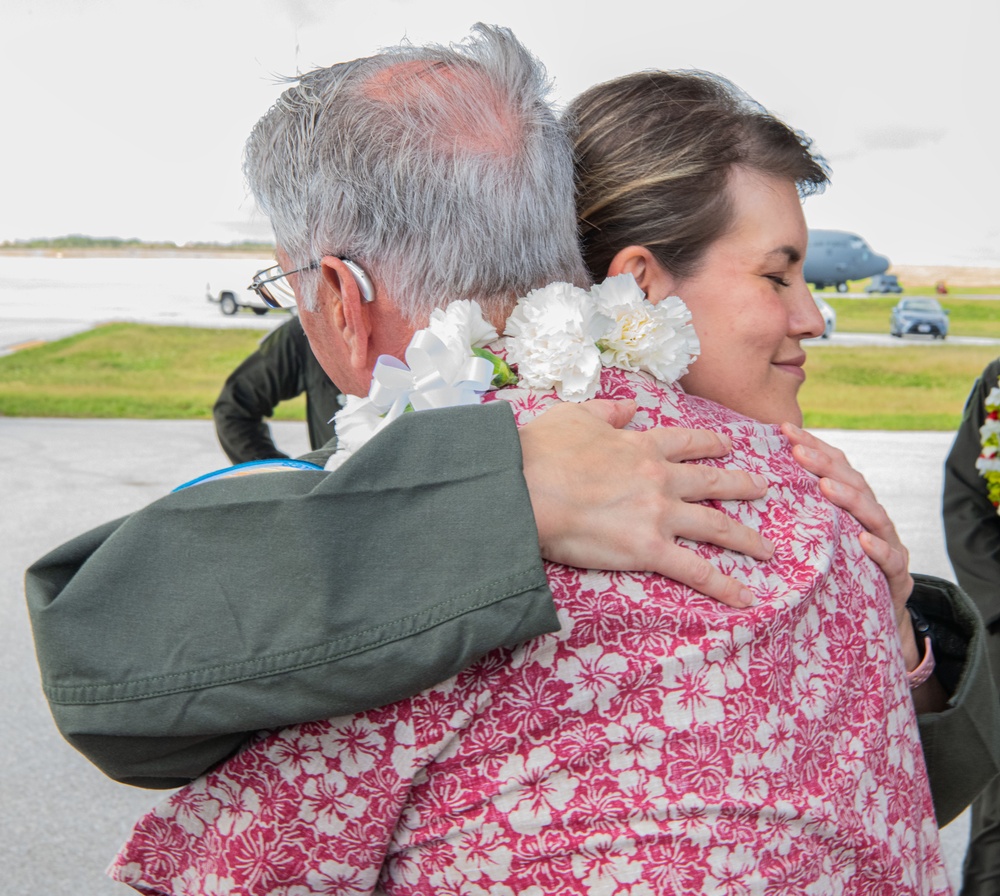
(653, 278)
(347, 309)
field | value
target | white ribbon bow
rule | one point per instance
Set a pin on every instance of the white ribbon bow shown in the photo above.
(432, 377)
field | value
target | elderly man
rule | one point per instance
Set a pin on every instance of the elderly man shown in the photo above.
(394, 184)
(400, 182)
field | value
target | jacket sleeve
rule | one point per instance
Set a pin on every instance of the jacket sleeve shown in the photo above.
(166, 637)
(971, 523)
(961, 743)
(272, 374)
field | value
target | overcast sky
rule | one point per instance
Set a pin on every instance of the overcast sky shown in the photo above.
(127, 117)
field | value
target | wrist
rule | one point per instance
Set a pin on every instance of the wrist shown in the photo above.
(918, 674)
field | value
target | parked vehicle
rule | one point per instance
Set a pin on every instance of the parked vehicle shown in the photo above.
(924, 317)
(883, 283)
(829, 316)
(230, 302)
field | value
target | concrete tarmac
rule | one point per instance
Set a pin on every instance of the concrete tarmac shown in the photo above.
(62, 820)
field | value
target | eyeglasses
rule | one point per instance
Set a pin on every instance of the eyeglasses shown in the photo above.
(275, 292)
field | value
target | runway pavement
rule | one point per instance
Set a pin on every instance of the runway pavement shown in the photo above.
(62, 821)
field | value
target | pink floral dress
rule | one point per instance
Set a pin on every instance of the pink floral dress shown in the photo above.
(660, 743)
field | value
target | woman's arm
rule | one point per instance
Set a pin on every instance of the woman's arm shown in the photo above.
(971, 523)
(958, 708)
(848, 489)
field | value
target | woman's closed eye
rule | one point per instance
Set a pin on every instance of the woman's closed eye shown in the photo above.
(778, 279)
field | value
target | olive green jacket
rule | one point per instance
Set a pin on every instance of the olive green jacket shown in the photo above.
(165, 638)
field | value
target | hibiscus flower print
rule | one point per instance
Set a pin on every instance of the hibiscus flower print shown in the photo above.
(355, 746)
(338, 880)
(482, 854)
(694, 689)
(533, 788)
(634, 742)
(193, 808)
(593, 675)
(328, 805)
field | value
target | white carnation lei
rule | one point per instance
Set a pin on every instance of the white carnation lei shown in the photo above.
(558, 337)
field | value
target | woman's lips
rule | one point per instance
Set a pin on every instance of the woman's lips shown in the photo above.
(792, 366)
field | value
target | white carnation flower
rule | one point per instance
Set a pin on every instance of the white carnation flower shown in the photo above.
(461, 326)
(355, 424)
(988, 463)
(617, 294)
(994, 397)
(989, 428)
(552, 338)
(658, 338)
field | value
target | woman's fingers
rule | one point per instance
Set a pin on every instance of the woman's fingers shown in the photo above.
(606, 498)
(848, 489)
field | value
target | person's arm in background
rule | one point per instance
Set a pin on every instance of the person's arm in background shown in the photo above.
(971, 523)
(961, 742)
(272, 374)
(165, 638)
(952, 739)
(323, 401)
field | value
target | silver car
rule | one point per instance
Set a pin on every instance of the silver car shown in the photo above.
(829, 316)
(919, 316)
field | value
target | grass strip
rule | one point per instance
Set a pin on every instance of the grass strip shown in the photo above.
(968, 317)
(128, 370)
(912, 387)
(154, 372)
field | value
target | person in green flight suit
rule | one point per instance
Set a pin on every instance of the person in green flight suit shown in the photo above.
(972, 531)
(282, 367)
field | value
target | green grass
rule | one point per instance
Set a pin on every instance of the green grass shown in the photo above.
(131, 370)
(969, 317)
(858, 287)
(917, 387)
(128, 370)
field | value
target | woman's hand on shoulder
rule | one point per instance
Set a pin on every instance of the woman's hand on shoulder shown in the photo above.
(609, 498)
(847, 488)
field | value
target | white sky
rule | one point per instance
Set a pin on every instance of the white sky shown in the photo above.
(127, 117)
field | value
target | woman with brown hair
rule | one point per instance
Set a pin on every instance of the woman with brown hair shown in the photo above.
(693, 188)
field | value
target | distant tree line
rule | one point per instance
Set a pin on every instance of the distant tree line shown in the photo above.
(78, 241)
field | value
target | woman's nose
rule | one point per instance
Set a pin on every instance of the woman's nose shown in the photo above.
(805, 320)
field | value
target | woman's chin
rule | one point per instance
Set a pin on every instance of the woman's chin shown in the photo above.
(783, 412)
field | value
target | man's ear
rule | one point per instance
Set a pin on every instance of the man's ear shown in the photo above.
(347, 309)
(653, 278)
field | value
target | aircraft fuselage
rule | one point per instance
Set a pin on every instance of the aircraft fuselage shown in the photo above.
(836, 256)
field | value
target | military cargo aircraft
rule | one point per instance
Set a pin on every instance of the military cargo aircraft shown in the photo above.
(836, 256)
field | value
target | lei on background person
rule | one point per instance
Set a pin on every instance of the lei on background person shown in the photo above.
(988, 463)
(558, 338)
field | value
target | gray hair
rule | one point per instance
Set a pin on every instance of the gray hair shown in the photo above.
(443, 171)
